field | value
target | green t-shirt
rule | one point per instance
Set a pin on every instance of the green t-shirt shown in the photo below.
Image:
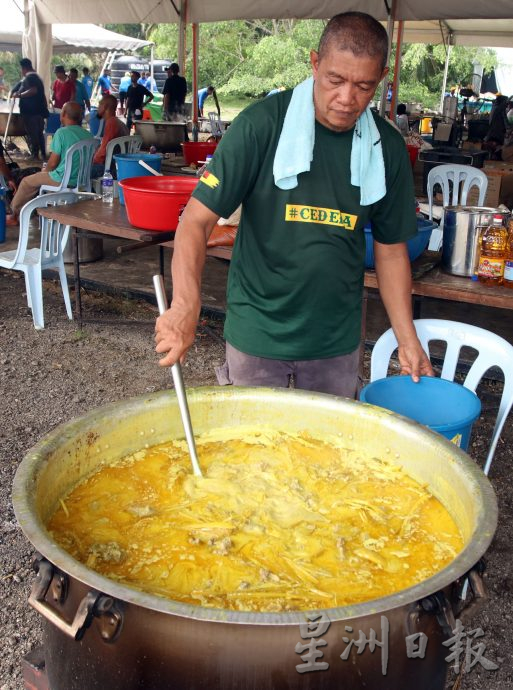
(63, 138)
(296, 276)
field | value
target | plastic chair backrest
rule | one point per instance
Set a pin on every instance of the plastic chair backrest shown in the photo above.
(128, 144)
(84, 149)
(455, 176)
(216, 125)
(99, 131)
(493, 351)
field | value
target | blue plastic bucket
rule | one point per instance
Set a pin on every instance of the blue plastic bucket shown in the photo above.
(127, 165)
(94, 121)
(443, 406)
(416, 245)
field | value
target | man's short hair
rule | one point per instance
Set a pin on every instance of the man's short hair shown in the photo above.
(357, 32)
(74, 70)
(136, 73)
(401, 109)
(26, 63)
(59, 69)
(73, 111)
(85, 70)
(110, 101)
(173, 67)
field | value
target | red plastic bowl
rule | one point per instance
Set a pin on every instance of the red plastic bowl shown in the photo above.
(195, 151)
(156, 203)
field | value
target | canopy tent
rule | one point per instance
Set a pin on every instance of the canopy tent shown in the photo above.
(197, 11)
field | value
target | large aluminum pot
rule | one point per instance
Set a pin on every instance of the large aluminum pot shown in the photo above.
(462, 228)
(101, 634)
(165, 136)
(16, 126)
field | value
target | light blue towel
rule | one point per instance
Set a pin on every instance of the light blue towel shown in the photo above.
(294, 152)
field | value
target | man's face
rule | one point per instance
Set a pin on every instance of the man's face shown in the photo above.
(61, 76)
(134, 77)
(102, 106)
(344, 86)
(73, 76)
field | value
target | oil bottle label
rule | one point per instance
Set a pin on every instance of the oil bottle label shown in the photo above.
(490, 268)
(508, 270)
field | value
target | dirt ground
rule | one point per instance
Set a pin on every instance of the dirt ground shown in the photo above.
(51, 376)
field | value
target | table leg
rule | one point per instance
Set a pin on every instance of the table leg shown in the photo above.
(365, 299)
(161, 259)
(76, 277)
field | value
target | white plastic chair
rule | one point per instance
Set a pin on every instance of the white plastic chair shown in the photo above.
(48, 255)
(460, 178)
(128, 144)
(84, 149)
(493, 351)
(216, 125)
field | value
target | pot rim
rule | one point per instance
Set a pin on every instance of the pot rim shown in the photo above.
(23, 496)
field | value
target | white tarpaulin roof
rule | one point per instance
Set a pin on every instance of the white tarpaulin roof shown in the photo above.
(66, 37)
(158, 11)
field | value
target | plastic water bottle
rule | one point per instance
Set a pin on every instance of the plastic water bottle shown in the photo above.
(107, 188)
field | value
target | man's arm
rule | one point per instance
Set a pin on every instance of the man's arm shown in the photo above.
(393, 272)
(53, 161)
(149, 96)
(176, 329)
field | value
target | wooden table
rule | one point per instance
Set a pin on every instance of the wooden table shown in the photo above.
(94, 217)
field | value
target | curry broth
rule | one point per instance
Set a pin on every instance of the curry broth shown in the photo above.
(278, 523)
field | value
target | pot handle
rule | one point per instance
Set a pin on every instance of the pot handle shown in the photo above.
(93, 604)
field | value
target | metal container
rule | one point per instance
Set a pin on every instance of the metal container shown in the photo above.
(16, 126)
(165, 136)
(462, 229)
(89, 249)
(99, 633)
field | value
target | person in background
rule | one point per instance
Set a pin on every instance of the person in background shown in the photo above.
(277, 90)
(5, 171)
(63, 89)
(105, 83)
(3, 88)
(113, 128)
(496, 134)
(203, 94)
(142, 79)
(33, 107)
(135, 102)
(87, 81)
(151, 84)
(68, 134)
(295, 287)
(174, 92)
(124, 83)
(402, 120)
(81, 96)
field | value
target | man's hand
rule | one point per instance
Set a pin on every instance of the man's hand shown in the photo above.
(12, 185)
(175, 331)
(414, 361)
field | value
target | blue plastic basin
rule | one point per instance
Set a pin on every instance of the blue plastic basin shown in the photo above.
(127, 165)
(416, 245)
(443, 406)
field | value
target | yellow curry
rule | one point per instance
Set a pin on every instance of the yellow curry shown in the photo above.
(278, 523)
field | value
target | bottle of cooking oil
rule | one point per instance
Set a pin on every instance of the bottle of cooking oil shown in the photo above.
(493, 253)
(508, 264)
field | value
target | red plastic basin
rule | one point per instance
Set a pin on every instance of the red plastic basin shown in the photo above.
(156, 203)
(195, 151)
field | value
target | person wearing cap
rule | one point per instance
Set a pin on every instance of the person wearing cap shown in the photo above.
(174, 91)
(135, 102)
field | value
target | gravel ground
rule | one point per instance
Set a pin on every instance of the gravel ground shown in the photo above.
(51, 376)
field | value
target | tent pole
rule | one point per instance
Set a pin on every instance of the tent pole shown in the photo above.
(152, 56)
(182, 28)
(390, 32)
(397, 70)
(446, 71)
(195, 128)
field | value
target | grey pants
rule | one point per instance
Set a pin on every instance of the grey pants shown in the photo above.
(35, 127)
(335, 375)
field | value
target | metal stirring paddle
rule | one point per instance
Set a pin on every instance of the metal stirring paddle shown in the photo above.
(176, 371)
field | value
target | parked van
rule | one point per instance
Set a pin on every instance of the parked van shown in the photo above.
(127, 63)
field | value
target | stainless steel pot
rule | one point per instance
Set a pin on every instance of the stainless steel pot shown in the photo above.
(462, 228)
(165, 136)
(100, 634)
